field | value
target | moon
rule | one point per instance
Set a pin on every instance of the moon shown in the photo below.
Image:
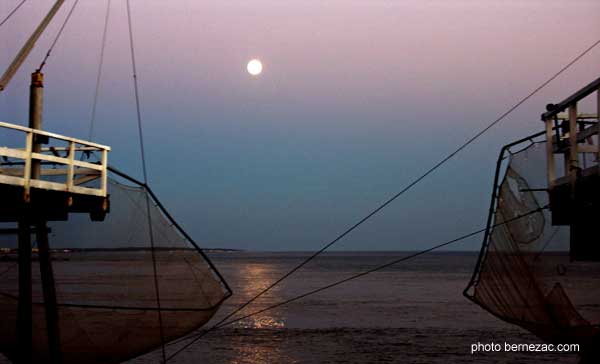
(254, 67)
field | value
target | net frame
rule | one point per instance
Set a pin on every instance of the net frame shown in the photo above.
(189, 247)
(492, 209)
(586, 331)
(178, 227)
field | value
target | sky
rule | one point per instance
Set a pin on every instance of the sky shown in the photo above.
(356, 99)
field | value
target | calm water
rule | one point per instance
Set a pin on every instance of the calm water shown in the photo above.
(411, 313)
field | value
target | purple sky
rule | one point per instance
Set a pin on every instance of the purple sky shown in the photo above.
(355, 100)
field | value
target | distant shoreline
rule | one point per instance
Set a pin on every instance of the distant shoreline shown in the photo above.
(127, 249)
(231, 250)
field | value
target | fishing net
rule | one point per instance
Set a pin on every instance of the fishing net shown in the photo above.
(524, 274)
(105, 281)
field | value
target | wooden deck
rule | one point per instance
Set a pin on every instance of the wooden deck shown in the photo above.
(60, 188)
(573, 139)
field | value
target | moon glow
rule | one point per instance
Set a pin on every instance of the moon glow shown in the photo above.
(254, 67)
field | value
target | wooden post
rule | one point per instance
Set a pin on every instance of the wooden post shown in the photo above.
(24, 318)
(598, 124)
(573, 164)
(573, 171)
(36, 93)
(27, 166)
(104, 172)
(49, 292)
(70, 166)
(25, 311)
(46, 273)
(550, 170)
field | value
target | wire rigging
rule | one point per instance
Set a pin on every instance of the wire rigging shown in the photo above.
(99, 74)
(12, 12)
(57, 37)
(226, 320)
(145, 175)
(412, 184)
(351, 278)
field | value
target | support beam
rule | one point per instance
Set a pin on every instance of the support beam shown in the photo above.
(28, 46)
(573, 157)
(46, 273)
(49, 291)
(36, 100)
(24, 315)
(551, 164)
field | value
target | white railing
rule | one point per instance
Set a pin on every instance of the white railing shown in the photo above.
(572, 134)
(21, 176)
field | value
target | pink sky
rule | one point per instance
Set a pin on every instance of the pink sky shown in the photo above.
(400, 81)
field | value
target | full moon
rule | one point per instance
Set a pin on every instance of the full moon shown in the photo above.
(254, 67)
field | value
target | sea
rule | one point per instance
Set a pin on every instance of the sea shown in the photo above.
(413, 312)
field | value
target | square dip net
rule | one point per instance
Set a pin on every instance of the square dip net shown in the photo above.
(111, 277)
(524, 274)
